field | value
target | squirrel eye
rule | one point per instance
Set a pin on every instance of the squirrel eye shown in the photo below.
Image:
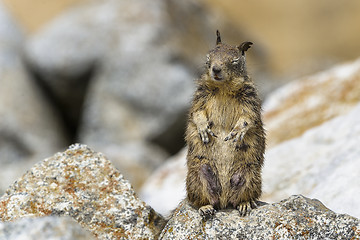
(207, 59)
(235, 61)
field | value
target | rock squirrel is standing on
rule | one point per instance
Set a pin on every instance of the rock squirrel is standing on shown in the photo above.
(225, 135)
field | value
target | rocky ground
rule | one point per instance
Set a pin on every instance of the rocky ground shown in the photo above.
(83, 185)
(118, 76)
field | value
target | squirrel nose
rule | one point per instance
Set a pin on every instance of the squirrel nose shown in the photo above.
(216, 69)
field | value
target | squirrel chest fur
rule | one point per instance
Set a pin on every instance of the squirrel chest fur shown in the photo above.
(225, 135)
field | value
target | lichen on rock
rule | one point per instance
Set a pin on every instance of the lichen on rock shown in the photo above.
(84, 185)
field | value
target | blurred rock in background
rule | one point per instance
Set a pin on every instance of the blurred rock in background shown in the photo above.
(311, 101)
(29, 128)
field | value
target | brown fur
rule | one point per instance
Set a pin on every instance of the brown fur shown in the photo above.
(225, 135)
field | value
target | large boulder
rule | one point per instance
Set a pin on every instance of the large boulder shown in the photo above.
(296, 217)
(29, 128)
(84, 185)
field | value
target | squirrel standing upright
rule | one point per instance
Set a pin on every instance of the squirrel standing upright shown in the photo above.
(225, 135)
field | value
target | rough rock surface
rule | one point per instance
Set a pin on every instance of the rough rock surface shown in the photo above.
(29, 129)
(297, 217)
(84, 185)
(45, 228)
(311, 101)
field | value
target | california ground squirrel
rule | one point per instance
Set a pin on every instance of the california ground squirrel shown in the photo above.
(225, 135)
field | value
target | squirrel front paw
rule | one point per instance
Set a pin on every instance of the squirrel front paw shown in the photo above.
(203, 126)
(238, 132)
(204, 134)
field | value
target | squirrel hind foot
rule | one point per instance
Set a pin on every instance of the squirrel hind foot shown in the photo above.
(207, 211)
(245, 207)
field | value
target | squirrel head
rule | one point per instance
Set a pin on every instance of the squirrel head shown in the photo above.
(226, 62)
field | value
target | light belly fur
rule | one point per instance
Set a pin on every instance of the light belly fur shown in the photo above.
(223, 152)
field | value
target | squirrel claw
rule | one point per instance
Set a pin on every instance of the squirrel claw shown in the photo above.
(204, 135)
(206, 211)
(211, 132)
(235, 135)
(245, 207)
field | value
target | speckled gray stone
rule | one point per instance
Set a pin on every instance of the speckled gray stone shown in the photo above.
(84, 185)
(297, 217)
(45, 228)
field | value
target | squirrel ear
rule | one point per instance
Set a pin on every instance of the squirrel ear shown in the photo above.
(218, 38)
(244, 47)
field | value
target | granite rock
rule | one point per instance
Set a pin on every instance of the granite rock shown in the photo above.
(296, 217)
(84, 185)
(44, 228)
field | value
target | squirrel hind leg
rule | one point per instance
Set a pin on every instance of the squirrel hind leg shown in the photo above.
(212, 182)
